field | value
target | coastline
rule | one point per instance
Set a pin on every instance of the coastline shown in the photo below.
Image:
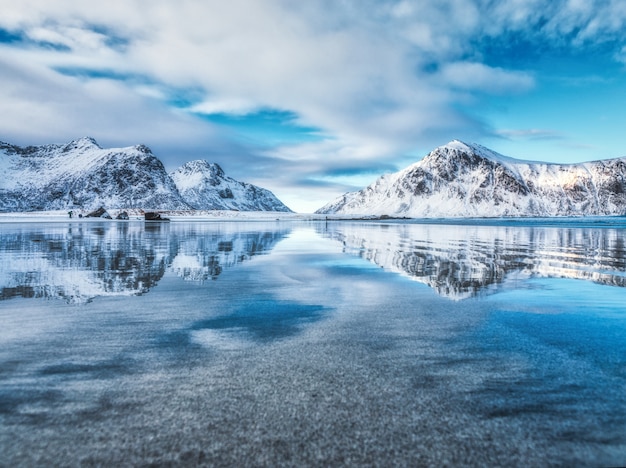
(173, 215)
(137, 215)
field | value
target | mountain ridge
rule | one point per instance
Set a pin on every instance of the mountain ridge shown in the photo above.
(82, 175)
(205, 186)
(468, 180)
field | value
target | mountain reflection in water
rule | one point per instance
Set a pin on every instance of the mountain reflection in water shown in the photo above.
(80, 261)
(462, 261)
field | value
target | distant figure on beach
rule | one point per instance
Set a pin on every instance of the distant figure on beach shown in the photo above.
(70, 213)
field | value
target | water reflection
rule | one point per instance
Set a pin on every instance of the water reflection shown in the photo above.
(464, 261)
(263, 321)
(80, 261)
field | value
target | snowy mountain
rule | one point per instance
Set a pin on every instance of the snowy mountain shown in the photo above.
(463, 180)
(204, 186)
(82, 175)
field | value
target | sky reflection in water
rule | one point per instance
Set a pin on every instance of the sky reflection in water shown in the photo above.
(83, 261)
(516, 334)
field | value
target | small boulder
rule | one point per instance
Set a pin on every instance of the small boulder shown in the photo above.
(99, 213)
(151, 216)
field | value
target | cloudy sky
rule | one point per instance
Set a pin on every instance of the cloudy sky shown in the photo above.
(318, 97)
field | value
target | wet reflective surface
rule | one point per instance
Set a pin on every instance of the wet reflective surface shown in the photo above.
(316, 343)
(85, 260)
(467, 260)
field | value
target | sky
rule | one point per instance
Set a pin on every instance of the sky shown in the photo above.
(311, 99)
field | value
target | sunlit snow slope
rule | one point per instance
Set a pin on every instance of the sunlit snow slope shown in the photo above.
(469, 180)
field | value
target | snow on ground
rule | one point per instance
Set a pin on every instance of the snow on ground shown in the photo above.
(245, 216)
(173, 215)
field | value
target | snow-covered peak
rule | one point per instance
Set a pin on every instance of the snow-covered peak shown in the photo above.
(473, 147)
(205, 186)
(86, 142)
(468, 180)
(143, 149)
(458, 146)
(82, 175)
(455, 147)
(201, 166)
(198, 174)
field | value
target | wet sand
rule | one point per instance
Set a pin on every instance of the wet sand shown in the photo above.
(350, 366)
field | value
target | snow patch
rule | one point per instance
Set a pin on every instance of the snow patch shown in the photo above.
(469, 180)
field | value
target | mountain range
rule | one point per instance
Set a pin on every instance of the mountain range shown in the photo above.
(204, 184)
(82, 175)
(469, 180)
(454, 180)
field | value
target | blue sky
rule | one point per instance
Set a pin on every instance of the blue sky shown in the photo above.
(313, 99)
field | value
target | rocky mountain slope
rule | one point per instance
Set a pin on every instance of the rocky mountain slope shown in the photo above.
(463, 180)
(82, 175)
(204, 186)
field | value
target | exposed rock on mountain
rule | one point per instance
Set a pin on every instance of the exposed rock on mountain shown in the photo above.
(82, 175)
(205, 187)
(461, 180)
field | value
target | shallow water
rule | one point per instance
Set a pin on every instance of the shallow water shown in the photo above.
(293, 343)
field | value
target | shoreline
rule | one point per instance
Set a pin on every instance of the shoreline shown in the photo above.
(173, 215)
(137, 215)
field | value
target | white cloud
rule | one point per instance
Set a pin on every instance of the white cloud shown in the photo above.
(530, 134)
(224, 105)
(265, 54)
(41, 106)
(75, 38)
(474, 76)
(380, 78)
